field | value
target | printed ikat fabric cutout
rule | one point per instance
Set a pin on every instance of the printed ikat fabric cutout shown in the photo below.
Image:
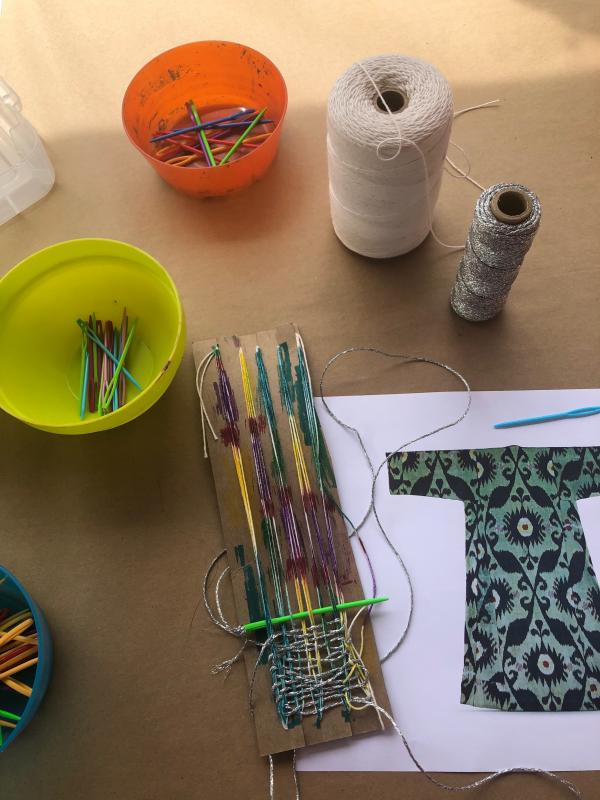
(532, 620)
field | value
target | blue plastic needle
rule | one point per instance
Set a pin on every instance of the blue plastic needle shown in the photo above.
(204, 125)
(575, 413)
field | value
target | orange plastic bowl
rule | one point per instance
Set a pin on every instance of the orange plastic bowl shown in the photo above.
(212, 74)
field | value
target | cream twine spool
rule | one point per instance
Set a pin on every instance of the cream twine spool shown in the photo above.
(389, 122)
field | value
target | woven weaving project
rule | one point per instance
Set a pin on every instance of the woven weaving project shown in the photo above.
(316, 678)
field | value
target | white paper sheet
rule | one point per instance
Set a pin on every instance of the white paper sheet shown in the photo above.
(423, 676)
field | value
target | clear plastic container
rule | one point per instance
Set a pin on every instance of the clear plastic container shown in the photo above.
(26, 173)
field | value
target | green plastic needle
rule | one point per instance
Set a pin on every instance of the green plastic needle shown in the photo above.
(257, 626)
(206, 145)
(252, 125)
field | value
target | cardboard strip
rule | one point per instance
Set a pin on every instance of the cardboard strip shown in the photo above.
(271, 735)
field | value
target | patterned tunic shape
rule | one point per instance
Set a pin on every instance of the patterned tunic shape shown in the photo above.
(532, 620)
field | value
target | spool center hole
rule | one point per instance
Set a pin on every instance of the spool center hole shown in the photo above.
(394, 100)
(513, 204)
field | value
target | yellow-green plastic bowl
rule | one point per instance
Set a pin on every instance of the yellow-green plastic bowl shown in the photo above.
(40, 343)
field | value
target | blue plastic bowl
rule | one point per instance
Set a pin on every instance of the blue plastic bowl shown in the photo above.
(14, 597)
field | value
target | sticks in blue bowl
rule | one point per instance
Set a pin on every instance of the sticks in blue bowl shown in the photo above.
(18, 652)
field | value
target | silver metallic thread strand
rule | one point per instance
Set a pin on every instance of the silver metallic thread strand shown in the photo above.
(272, 777)
(372, 509)
(493, 256)
(375, 472)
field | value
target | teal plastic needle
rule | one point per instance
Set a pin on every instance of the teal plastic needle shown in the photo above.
(574, 413)
(84, 384)
(257, 626)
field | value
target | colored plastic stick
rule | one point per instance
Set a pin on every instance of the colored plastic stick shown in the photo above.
(122, 381)
(115, 379)
(246, 133)
(187, 147)
(574, 413)
(223, 144)
(15, 655)
(103, 373)
(99, 358)
(225, 126)
(82, 375)
(17, 686)
(183, 161)
(10, 635)
(12, 620)
(18, 668)
(201, 135)
(101, 384)
(4, 724)
(18, 617)
(92, 325)
(84, 385)
(9, 715)
(179, 131)
(207, 126)
(100, 344)
(257, 626)
(91, 388)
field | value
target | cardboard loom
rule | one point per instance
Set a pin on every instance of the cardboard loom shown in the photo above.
(272, 737)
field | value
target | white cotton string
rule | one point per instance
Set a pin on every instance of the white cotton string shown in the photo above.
(385, 166)
(487, 104)
(461, 173)
(386, 163)
(202, 367)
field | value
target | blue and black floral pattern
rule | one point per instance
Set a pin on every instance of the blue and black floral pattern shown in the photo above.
(532, 626)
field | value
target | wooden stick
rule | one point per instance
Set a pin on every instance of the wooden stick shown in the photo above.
(17, 668)
(18, 640)
(7, 637)
(8, 623)
(17, 686)
(9, 660)
(5, 724)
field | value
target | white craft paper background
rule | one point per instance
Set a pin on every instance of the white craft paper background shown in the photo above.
(423, 676)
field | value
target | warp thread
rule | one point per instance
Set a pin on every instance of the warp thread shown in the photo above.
(313, 667)
(300, 689)
(495, 250)
(389, 122)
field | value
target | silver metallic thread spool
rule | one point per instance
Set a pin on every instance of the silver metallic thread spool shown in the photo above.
(505, 222)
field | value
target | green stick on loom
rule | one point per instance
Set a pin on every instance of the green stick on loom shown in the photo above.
(257, 626)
